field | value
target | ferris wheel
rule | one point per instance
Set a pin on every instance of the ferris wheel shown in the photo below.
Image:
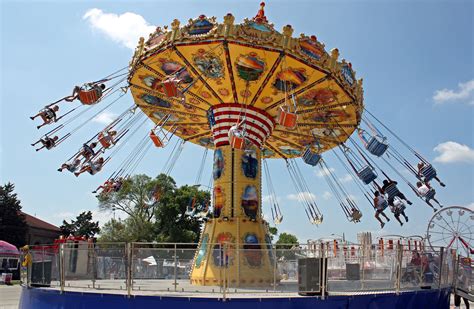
(452, 228)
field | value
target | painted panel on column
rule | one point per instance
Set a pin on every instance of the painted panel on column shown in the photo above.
(219, 200)
(218, 167)
(252, 250)
(223, 252)
(250, 164)
(250, 202)
(202, 250)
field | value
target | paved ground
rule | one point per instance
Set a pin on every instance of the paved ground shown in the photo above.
(9, 296)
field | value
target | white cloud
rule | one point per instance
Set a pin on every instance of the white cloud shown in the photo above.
(300, 197)
(450, 152)
(105, 117)
(470, 206)
(346, 178)
(327, 195)
(323, 172)
(125, 28)
(465, 93)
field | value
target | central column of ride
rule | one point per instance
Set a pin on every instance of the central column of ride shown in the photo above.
(235, 245)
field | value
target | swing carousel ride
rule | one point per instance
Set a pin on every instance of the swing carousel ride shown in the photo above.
(249, 93)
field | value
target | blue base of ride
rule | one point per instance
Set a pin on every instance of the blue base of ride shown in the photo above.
(42, 298)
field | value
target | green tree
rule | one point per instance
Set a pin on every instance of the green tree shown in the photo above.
(13, 226)
(172, 224)
(273, 232)
(156, 210)
(82, 226)
(286, 245)
(138, 196)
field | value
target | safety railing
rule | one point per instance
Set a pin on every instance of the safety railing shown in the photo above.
(225, 270)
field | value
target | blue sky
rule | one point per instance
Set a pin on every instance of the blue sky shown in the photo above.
(416, 58)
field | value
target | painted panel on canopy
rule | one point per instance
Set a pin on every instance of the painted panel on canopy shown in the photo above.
(151, 103)
(292, 73)
(209, 61)
(340, 115)
(167, 62)
(325, 93)
(147, 79)
(145, 98)
(252, 65)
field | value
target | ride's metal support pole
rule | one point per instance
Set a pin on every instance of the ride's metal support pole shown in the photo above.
(323, 283)
(441, 259)
(42, 265)
(94, 265)
(274, 267)
(61, 268)
(363, 266)
(225, 272)
(456, 272)
(175, 257)
(399, 268)
(128, 282)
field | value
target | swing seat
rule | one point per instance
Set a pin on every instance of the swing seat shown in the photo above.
(392, 190)
(356, 215)
(383, 206)
(170, 87)
(310, 157)
(376, 146)
(399, 205)
(104, 140)
(278, 219)
(287, 119)
(367, 174)
(91, 96)
(156, 140)
(236, 139)
(317, 220)
(430, 194)
(428, 172)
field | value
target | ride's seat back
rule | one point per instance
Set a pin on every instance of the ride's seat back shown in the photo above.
(392, 190)
(430, 194)
(236, 138)
(317, 220)
(356, 215)
(278, 219)
(310, 157)
(376, 146)
(104, 140)
(170, 87)
(156, 140)
(91, 96)
(287, 118)
(382, 206)
(367, 174)
(399, 205)
(428, 172)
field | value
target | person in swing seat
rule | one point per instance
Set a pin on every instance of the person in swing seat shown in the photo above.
(380, 205)
(92, 167)
(398, 209)
(87, 152)
(399, 194)
(79, 92)
(71, 167)
(423, 189)
(47, 114)
(47, 142)
(421, 165)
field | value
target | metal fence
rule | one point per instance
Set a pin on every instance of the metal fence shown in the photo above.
(140, 268)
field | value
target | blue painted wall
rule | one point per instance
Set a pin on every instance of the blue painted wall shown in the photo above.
(48, 299)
